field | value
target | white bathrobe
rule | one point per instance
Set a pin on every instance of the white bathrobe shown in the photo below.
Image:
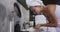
(58, 17)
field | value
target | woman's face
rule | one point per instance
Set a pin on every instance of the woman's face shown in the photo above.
(37, 9)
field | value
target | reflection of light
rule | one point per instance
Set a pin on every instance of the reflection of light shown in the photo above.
(11, 26)
(33, 15)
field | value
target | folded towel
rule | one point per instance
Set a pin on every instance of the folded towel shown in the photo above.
(34, 3)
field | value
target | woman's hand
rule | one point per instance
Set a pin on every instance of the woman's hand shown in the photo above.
(37, 26)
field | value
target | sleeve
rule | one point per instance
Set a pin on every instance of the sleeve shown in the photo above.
(47, 2)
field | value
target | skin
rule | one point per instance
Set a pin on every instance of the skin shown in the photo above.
(49, 12)
(37, 9)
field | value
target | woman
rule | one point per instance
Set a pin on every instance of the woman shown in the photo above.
(55, 10)
(51, 6)
(48, 10)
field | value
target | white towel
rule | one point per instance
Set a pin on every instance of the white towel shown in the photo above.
(44, 29)
(40, 19)
(34, 3)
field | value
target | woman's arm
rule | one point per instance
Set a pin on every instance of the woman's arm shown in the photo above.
(49, 12)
